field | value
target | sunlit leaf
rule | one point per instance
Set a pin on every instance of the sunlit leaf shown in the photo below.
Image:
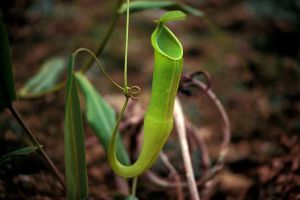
(22, 151)
(100, 116)
(76, 169)
(45, 78)
(172, 16)
(136, 6)
(7, 87)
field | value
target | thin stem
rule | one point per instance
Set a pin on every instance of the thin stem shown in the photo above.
(34, 140)
(98, 63)
(174, 174)
(126, 49)
(120, 117)
(162, 182)
(226, 124)
(115, 130)
(88, 64)
(217, 32)
(191, 130)
(180, 125)
(134, 186)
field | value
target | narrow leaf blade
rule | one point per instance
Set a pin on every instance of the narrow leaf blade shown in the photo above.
(22, 151)
(101, 117)
(172, 16)
(7, 86)
(137, 6)
(45, 78)
(76, 169)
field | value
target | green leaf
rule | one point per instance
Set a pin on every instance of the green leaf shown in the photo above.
(76, 169)
(7, 86)
(45, 78)
(136, 6)
(22, 151)
(101, 117)
(172, 16)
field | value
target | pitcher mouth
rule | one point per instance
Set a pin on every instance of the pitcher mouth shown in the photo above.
(164, 41)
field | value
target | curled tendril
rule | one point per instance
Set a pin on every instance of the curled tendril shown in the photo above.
(98, 64)
(132, 92)
(187, 80)
(207, 77)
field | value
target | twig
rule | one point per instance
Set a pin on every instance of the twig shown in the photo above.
(105, 39)
(225, 129)
(200, 144)
(164, 183)
(226, 124)
(134, 185)
(173, 173)
(34, 140)
(180, 125)
(160, 181)
(190, 81)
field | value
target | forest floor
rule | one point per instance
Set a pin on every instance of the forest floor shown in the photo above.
(255, 69)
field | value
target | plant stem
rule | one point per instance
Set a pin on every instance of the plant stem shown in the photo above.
(180, 125)
(134, 185)
(126, 49)
(98, 63)
(34, 140)
(105, 39)
(191, 131)
(111, 153)
(174, 174)
(225, 125)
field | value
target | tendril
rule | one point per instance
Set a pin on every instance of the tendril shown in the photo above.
(187, 81)
(132, 92)
(207, 77)
(98, 63)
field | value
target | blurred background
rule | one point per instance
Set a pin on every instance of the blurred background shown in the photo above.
(250, 48)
